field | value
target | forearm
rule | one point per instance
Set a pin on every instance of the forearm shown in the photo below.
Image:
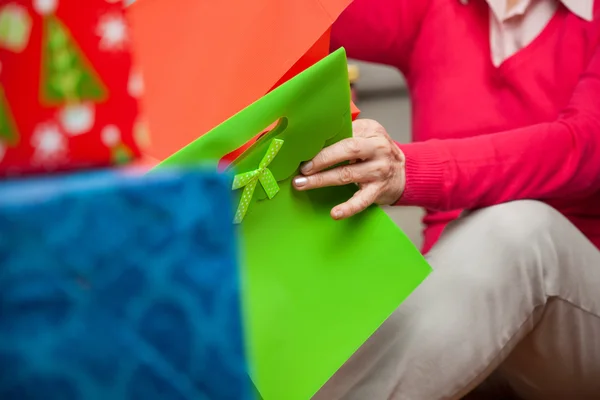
(544, 162)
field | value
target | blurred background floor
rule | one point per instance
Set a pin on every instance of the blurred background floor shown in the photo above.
(382, 96)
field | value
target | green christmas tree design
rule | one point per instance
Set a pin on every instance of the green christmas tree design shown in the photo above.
(121, 154)
(67, 75)
(8, 128)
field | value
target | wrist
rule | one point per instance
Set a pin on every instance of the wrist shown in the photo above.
(425, 169)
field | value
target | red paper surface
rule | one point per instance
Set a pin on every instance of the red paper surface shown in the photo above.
(64, 123)
(203, 61)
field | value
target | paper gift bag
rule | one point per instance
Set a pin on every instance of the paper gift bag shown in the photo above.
(204, 61)
(68, 94)
(120, 287)
(314, 288)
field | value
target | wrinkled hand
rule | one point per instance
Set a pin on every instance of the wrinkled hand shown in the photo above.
(376, 165)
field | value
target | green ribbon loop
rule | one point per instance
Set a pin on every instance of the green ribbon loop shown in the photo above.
(249, 180)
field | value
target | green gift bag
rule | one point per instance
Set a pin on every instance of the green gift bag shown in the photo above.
(314, 289)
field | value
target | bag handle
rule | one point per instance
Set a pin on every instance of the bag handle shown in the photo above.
(283, 104)
(230, 136)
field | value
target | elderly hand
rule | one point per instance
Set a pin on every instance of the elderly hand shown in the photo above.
(376, 165)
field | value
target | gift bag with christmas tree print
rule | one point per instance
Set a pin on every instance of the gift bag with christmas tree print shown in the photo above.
(68, 92)
(314, 289)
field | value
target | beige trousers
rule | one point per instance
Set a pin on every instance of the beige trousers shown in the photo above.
(515, 288)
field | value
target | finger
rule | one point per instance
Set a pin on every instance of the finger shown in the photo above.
(357, 203)
(367, 128)
(345, 150)
(360, 127)
(344, 175)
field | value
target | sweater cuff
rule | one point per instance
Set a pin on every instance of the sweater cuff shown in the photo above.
(426, 171)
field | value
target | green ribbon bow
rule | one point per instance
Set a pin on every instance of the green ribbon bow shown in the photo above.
(248, 181)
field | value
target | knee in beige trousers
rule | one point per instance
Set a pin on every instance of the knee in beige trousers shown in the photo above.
(515, 288)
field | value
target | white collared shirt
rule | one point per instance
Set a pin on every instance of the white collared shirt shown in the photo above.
(511, 30)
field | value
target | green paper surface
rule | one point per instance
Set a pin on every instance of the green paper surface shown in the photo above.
(314, 289)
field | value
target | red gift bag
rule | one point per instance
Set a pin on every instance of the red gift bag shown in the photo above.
(68, 92)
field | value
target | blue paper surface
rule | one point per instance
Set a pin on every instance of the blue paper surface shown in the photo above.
(118, 287)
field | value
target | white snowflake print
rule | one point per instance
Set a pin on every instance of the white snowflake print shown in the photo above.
(113, 32)
(45, 7)
(111, 135)
(77, 119)
(135, 85)
(15, 27)
(141, 133)
(49, 143)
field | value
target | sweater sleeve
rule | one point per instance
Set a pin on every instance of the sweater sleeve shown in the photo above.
(380, 31)
(547, 161)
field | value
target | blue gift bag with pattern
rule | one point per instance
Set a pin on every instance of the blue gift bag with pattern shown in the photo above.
(120, 287)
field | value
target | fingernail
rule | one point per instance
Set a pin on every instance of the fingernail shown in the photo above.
(337, 214)
(306, 167)
(300, 181)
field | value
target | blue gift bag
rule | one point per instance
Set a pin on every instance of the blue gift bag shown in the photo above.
(120, 287)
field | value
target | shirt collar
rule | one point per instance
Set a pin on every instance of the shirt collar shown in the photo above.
(582, 8)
